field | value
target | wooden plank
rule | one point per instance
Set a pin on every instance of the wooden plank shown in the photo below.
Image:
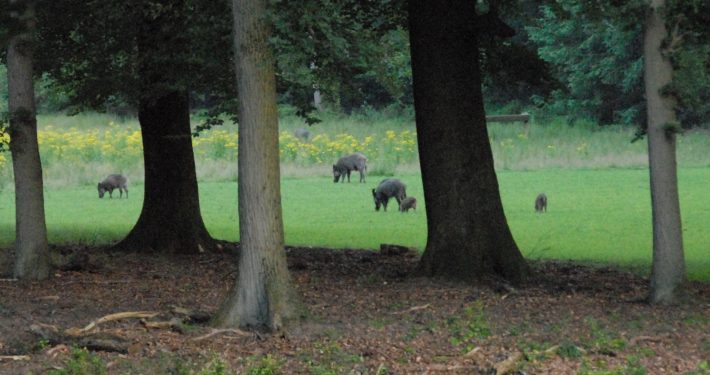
(523, 117)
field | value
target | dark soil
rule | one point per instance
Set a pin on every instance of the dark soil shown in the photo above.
(368, 314)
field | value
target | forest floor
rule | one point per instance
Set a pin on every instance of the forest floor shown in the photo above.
(368, 313)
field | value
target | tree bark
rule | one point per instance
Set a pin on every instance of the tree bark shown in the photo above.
(668, 272)
(263, 296)
(468, 234)
(31, 249)
(170, 220)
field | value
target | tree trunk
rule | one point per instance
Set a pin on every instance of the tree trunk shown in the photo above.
(468, 235)
(263, 296)
(31, 249)
(170, 220)
(668, 261)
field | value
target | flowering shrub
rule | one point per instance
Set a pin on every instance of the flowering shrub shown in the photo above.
(123, 146)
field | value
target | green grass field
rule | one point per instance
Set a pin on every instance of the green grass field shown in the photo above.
(597, 215)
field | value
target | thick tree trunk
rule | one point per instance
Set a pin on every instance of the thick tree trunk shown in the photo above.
(263, 296)
(170, 220)
(668, 261)
(468, 235)
(31, 249)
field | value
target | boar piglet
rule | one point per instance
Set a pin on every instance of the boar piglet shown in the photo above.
(407, 203)
(541, 203)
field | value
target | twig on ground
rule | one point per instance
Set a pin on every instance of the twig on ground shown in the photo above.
(639, 339)
(108, 318)
(174, 324)
(14, 358)
(412, 309)
(220, 331)
(507, 365)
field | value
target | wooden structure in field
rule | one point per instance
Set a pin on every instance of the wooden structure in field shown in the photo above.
(523, 117)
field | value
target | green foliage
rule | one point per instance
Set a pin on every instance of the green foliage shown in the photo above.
(82, 362)
(569, 350)
(264, 365)
(702, 369)
(3, 88)
(329, 359)
(632, 367)
(596, 53)
(41, 344)
(599, 62)
(603, 341)
(217, 367)
(469, 327)
(691, 84)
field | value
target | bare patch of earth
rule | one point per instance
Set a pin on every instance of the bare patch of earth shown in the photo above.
(368, 313)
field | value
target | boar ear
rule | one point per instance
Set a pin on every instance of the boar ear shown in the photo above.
(373, 193)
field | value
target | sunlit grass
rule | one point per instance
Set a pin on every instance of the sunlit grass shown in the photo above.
(594, 215)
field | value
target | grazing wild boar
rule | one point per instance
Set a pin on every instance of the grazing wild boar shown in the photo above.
(346, 164)
(114, 181)
(302, 134)
(541, 203)
(407, 203)
(387, 189)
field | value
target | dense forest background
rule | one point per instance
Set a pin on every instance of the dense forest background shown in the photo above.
(562, 61)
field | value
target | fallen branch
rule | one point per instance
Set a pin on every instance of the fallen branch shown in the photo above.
(94, 341)
(504, 367)
(473, 352)
(108, 318)
(174, 324)
(220, 331)
(639, 339)
(441, 368)
(412, 309)
(194, 316)
(14, 358)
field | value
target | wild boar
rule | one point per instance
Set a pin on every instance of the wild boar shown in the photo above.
(388, 188)
(114, 181)
(302, 134)
(346, 164)
(541, 203)
(407, 203)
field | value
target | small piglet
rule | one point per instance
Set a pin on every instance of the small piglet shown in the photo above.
(407, 203)
(114, 181)
(541, 203)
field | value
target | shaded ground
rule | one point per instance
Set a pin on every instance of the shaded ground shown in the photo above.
(368, 315)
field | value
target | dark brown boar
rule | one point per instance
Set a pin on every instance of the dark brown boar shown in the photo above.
(113, 181)
(388, 188)
(346, 164)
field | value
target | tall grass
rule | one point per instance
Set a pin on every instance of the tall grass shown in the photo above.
(81, 149)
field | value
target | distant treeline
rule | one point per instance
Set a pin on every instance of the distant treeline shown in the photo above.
(563, 61)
